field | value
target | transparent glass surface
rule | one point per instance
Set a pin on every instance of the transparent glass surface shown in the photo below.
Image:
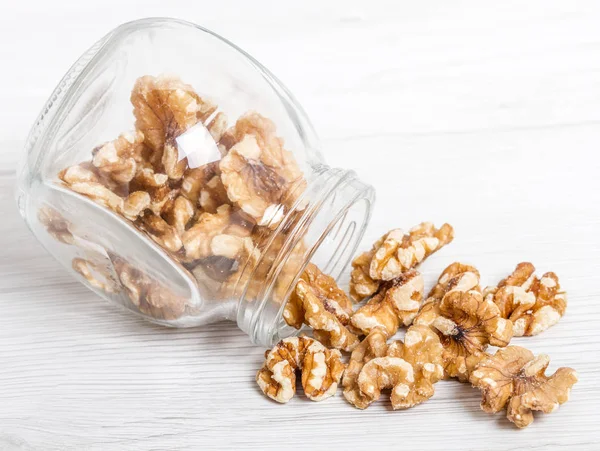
(176, 177)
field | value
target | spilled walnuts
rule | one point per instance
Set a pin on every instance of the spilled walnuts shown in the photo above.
(447, 337)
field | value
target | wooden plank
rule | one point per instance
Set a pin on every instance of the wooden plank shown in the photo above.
(482, 114)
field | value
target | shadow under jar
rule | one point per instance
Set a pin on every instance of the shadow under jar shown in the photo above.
(176, 177)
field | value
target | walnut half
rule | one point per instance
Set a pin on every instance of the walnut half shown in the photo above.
(395, 304)
(147, 294)
(321, 370)
(515, 379)
(374, 345)
(532, 304)
(395, 253)
(422, 349)
(318, 302)
(400, 252)
(383, 373)
(164, 108)
(409, 368)
(361, 284)
(260, 176)
(467, 324)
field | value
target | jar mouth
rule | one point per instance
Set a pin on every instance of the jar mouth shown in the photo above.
(328, 232)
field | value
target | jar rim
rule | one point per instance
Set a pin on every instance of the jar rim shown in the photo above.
(332, 227)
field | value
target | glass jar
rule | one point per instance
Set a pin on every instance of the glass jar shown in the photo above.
(178, 178)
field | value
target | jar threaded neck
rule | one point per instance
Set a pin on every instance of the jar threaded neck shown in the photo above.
(336, 207)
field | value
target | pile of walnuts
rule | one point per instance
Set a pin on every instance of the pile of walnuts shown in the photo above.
(447, 337)
(211, 216)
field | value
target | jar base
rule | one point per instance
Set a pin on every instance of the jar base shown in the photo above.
(100, 249)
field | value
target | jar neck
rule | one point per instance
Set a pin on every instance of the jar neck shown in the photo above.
(325, 227)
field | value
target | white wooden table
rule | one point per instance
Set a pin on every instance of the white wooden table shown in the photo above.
(482, 114)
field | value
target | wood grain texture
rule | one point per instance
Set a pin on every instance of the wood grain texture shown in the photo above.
(482, 114)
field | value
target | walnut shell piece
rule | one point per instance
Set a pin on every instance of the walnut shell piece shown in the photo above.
(373, 345)
(532, 304)
(396, 303)
(318, 302)
(321, 370)
(400, 252)
(467, 324)
(516, 379)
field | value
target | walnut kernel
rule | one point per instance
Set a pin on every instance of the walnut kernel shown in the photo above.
(386, 372)
(161, 232)
(396, 303)
(84, 179)
(422, 349)
(216, 234)
(95, 275)
(373, 345)
(257, 172)
(119, 159)
(321, 370)
(164, 108)
(515, 379)
(467, 323)
(333, 298)
(147, 294)
(318, 302)
(362, 285)
(400, 252)
(57, 226)
(456, 277)
(532, 304)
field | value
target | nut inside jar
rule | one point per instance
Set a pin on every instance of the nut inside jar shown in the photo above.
(208, 193)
